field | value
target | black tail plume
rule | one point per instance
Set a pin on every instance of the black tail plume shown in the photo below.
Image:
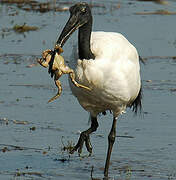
(137, 103)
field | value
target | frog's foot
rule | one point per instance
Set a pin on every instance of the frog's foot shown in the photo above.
(58, 84)
(81, 86)
(46, 58)
(46, 52)
(42, 62)
(72, 76)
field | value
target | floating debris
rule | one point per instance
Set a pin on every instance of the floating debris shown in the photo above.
(4, 149)
(159, 57)
(20, 122)
(28, 173)
(42, 7)
(158, 12)
(4, 120)
(24, 28)
(62, 160)
(18, 1)
(125, 136)
(173, 89)
(48, 6)
(44, 152)
(149, 80)
(163, 2)
(9, 147)
(32, 65)
(32, 128)
(51, 128)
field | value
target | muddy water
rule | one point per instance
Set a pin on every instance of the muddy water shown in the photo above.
(33, 133)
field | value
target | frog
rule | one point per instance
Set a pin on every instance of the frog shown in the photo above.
(58, 69)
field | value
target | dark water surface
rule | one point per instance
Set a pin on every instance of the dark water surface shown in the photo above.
(33, 133)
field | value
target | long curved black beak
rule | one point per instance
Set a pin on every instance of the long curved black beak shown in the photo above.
(72, 25)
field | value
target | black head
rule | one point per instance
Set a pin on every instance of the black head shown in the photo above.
(80, 14)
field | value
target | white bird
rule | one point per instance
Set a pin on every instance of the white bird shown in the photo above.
(108, 64)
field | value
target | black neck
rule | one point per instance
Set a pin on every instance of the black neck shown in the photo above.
(84, 35)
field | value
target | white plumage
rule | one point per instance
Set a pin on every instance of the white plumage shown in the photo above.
(113, 76)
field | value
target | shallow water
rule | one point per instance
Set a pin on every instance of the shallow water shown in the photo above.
(33, 133)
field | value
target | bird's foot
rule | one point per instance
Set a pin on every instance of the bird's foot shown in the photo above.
(84, 137)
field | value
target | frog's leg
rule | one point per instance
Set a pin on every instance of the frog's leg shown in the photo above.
(72, 76)
(58, 84)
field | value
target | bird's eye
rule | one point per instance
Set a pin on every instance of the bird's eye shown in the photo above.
(83, 10)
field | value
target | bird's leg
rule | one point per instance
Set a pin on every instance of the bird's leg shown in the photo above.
(84, 137)
(111, 140)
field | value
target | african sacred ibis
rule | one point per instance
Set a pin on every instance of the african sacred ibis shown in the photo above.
(107, 63)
